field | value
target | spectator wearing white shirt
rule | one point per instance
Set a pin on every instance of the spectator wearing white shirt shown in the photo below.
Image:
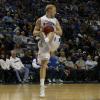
(5, 67)
(81, 69)
(90, 64)
(36, 66)
(5, 64)
(19, 68)
(91, 67)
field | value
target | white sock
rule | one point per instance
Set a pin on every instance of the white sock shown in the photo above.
(41, 82)
(46, 39)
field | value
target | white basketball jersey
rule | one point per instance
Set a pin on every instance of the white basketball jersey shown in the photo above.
(43, 47)
(48, 21)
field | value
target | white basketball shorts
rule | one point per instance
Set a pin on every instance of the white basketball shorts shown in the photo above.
(45, 48)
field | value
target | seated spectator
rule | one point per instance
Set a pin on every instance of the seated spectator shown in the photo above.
(61, 67)
(7, 18)
(90, 64)
(96, 63)
(52, 68)
(17, 38)
(5, 67)
(91, 67)
(19, 50)
(36, 67)
(5, 63)
(35, 64)
(27, 59)
(81, 69)
(71, 68)
(23, 37)
(62, 58)
(98, 70)
(19, 68)
(96, 60)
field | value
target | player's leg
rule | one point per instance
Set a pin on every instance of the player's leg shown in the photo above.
(43, 68)
(49, 37)
(55, 43)
(43, 58)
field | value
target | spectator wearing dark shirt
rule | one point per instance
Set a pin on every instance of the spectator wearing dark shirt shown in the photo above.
(52, 68)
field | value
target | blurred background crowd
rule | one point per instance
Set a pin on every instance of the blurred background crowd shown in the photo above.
(78, 57)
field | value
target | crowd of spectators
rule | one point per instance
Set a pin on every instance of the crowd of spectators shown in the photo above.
(78, 57)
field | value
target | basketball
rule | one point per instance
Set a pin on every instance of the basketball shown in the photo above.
(48, 29)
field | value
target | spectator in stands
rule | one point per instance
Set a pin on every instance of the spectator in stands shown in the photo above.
(71, 67)
(81, 69)
(52, 68)
(7, 43)
(62, 57)
(19, 68)
(62, 65)
(17, 38)
(5, 63)
(7, 18)
(98, 69)
(6, 68)
(30, 28)
(35, 67)
(27, 59)
(90, 63)
(35, 64)
(23, 37)
(19, 50)
(91, 67)
(2, 48)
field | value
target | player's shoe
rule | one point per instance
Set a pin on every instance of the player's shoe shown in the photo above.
(54, 81)
(61, 81)
(49, 81)
(42, 91)
(46, 40)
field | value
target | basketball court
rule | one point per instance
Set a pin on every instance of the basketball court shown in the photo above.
(53, 92)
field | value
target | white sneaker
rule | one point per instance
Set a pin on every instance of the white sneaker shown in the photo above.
(42, 91)
(61, 81)
(46, 40)
(49, 81)
(53, 80)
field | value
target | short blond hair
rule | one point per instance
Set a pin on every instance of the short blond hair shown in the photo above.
(49, 6)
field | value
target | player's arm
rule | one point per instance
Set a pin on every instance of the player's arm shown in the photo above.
(37, 28)
(58, 29)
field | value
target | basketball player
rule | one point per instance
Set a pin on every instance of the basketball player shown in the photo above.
(48, 42)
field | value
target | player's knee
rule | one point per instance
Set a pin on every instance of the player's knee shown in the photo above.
(44, 66)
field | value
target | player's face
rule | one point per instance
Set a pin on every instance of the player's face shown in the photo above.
(53, 12)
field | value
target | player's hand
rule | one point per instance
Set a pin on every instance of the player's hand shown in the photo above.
(51, 36)
(52, 32)
(42, 35)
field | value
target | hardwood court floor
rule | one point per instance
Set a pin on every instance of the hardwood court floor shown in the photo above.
(53, 92)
